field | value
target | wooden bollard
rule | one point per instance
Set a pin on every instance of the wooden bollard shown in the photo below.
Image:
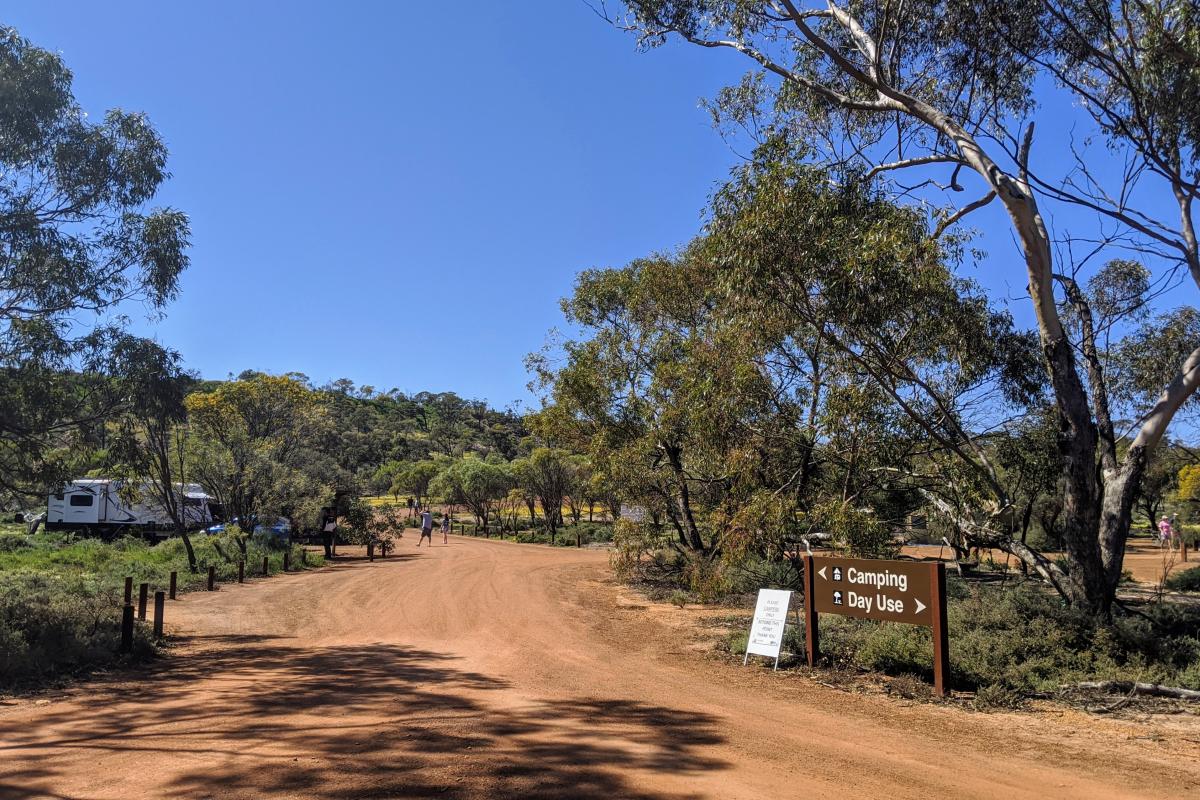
(160, 603)
(370, 551)
(287, 559)
(212, 578)
(143, 592)
(303, 557)
(174, 583)
(128, 591)
(266, 566)
(127, 628)
(241, 572)
(1183, 550)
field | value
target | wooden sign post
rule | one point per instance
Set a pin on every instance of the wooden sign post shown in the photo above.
(889, 591)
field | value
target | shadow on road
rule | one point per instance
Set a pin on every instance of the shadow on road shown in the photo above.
(256, 716)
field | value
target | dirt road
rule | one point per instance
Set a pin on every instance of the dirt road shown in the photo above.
(485, 670)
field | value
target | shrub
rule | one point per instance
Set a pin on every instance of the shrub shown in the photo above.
(1023, 640)
(994, 696)
(53, 626)
(910, 687)
(60, 596)
(1186, 581)
(754, 572)
(737, 642)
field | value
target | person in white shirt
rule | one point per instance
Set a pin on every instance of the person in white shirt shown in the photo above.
(426, 527)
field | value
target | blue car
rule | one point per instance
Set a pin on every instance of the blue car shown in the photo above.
(282, 527)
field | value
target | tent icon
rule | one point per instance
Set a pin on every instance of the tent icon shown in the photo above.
(837, 573)
(837, 598)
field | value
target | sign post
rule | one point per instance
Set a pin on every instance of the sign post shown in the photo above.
(770, 619)
(812, 647)
(889, 591)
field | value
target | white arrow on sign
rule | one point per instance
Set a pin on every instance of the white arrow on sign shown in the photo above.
(920, 606)
(821, 572)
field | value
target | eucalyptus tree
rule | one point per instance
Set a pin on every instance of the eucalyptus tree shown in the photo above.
(475, 483)
(151, 447)
(899, 367)
(890, 86)
(415, 478)
(649, 391)
(253, 446)
(77, 239)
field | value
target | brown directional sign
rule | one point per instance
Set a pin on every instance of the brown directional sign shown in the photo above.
(895, 591)
(892, 591)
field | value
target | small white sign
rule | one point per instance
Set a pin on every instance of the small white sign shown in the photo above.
(770, 617)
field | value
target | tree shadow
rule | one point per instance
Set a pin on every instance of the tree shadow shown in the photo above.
(258, 716)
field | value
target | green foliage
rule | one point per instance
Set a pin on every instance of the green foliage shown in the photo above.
(475, 483)
(376, 527)
(414, 478)
(1187, 580)
(252, 446)
(60, 595)
(78, 239)
(53, 626)
(1021, 640)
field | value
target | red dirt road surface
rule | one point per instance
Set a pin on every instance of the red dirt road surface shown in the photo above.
(489, 670)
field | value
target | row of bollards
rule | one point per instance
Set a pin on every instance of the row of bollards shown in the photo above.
(128, 612)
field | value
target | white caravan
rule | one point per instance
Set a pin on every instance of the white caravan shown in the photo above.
(96, 504)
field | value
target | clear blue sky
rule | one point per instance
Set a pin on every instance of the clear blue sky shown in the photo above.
(390, 192)
(399, 193)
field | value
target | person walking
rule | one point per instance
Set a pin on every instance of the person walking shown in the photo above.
(328, 531)
(1165, 532)
(426, 527)
(445, 529)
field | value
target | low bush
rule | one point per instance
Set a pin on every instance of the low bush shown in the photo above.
(61, 595)
(584, 533)
(1009, 642)
(1023, 639)
(54, 626)
(1186, 581)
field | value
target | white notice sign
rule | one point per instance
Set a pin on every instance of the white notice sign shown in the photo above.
(770, 615)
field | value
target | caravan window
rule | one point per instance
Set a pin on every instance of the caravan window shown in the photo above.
(81, 499)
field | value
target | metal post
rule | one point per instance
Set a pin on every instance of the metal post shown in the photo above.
(160, 602)
(127, 628)
(241, 572)
(174, 581)
(128, 591)
(812, 645)
(212, 578)
(941, 636)
(143, 592)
